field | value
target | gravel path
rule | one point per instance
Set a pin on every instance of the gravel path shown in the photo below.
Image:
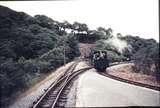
(33, 94)
(95, 90)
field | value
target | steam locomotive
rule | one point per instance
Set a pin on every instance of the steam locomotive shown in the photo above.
(100, 60)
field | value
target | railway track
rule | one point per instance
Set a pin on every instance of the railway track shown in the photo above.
(129, 81)
(56, 94)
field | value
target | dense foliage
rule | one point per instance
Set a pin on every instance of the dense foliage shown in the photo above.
(30, 47)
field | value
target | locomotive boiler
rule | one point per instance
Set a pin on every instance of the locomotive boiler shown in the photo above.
(100, 60)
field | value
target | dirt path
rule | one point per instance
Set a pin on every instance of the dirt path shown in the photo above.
(95, 90)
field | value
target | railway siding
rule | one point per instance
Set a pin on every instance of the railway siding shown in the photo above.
(56, 94)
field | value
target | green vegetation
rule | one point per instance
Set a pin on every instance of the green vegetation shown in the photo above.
(145, 53)
(33, 46)
(29, 48)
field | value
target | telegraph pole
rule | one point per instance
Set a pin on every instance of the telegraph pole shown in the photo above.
(64, 57)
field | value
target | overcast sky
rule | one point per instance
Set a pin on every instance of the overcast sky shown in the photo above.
(134, 17)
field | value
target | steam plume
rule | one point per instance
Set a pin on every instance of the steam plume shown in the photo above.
(119, 44)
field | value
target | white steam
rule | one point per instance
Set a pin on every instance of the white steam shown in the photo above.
(119, 44)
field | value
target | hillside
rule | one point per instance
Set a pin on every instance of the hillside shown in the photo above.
(31, 47)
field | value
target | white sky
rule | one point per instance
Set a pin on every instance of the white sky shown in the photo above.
(134, 17)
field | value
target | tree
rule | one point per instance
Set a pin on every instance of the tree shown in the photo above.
(80, 27)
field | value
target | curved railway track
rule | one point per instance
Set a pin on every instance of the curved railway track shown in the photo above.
(129, 81)
(56, 94)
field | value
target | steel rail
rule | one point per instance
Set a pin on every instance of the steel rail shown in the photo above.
(131, 82)
(61, 88)
(60, 78)
(70, 77)
(63, 79)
